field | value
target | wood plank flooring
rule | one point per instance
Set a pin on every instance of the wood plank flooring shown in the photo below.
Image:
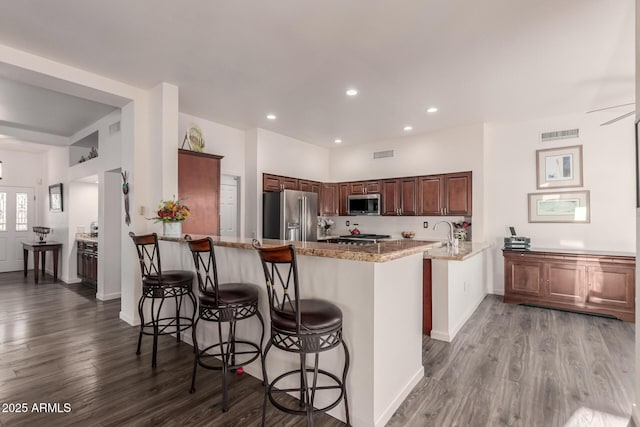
(526, 366)
(510, 365)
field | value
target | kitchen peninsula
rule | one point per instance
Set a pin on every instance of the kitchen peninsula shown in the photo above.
(379, 290)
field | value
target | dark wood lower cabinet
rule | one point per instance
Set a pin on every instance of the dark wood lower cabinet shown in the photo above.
(87, 266)
(427, 322)
(600, 284)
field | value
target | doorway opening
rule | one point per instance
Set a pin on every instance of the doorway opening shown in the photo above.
(230, 205)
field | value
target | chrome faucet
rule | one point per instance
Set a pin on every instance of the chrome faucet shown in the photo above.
(450, 241)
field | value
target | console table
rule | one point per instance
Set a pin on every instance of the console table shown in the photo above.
(41, 248)
(580, 281)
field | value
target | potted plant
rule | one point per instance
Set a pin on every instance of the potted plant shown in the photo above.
(461, 230)
(171, 213)
(325, 225)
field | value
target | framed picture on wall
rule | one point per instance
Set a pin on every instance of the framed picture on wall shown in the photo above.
(570, 206)
(637, 164)
(55, 198)
(559, 167)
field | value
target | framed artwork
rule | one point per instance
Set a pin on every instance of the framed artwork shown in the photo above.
(559, 167)
(55, 198)
(571, 206)
(638, 164)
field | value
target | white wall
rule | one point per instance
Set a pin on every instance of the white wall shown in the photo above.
(223, 141)
(609, 175)
(636, 406)
(270, 152)
(450, 150)
(82, 206)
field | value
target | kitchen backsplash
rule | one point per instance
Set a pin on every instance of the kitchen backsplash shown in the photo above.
(395, 225)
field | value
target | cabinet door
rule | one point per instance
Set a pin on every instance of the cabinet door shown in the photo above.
(457, 194)
(523, 276)
(304, 185)
(329, 203)
(565, 282)
(199, 183)
(407, 194)
(290, 183)
(357, 188)
(430, 195)
(611, 285)
(79, 261)
(372, 187)
(315, 187)
(390, 197)
(271, 182)
(343, 192)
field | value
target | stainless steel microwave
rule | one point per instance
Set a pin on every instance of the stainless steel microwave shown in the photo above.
(363, 204)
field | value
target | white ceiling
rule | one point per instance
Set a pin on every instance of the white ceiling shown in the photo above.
(236, 61)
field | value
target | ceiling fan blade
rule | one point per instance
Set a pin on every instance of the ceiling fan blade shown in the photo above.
(618, 118)
(613, 106)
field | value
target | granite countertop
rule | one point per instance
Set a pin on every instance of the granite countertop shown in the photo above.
(379, 252)
(464, 251)
(85, 237)
(570, 251)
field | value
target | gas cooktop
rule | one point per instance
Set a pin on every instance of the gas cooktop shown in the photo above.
(362, 239)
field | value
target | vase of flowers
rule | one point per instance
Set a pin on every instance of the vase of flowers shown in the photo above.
(325, 225)
(171, 213)
(461, 230)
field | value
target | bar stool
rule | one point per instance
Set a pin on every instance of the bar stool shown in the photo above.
(159, 285)
(222, 303)
(303, 326)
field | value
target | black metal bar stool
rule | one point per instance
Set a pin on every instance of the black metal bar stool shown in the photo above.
(223, 303)
(303, 326)
(159, 285)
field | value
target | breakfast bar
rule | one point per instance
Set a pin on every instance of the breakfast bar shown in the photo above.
(379, 290)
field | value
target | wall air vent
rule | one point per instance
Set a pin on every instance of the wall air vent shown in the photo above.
(114, 128)
(559, 134)
(383, 154)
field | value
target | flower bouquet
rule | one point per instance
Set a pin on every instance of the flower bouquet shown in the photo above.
(461, 230)
(171, 213)
(325, 224)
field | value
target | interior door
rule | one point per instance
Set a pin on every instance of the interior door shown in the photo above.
(16, 219)
(229, 206)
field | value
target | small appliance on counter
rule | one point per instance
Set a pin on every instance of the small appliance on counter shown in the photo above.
(516, 243)
(93, 229)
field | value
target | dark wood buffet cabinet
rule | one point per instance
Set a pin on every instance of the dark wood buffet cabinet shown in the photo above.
(602, 284)
(429, 195)
(87, 262)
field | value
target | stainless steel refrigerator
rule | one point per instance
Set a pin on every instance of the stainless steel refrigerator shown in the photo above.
(290, 215)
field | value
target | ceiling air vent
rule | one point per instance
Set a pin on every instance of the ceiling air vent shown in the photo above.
(559, 134)
(383, 154)
(114, 128)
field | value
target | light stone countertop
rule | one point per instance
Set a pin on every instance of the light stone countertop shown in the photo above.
(85, 237)
(379, 252)
(464, 251)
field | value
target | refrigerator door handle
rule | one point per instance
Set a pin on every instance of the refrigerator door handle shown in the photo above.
(303, 218)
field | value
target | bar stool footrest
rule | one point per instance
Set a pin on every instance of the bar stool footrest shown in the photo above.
(338, 385)
(203, 354)
(167, 326)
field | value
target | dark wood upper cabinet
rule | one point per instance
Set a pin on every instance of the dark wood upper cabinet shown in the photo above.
(343, 193)
(199, 189)
(447, 194)
(399, 196)
(276, 182)
(457, 191)
(329, 203)
(313, 187)
(430, 195)
(365, 187)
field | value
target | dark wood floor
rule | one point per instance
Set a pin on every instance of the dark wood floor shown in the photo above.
(509, 365)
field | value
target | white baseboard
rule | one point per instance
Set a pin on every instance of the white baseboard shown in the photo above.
(130, 320)
(448, 336)
(635, 414)
(107, 297)
(497, 292)
(440, 335)
(386, 415)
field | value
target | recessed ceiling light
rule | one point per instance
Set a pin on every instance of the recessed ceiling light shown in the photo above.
(432, 109)
(408, 128)
(271, 116)
(338, 141)
(351, 92)
(97, 182)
